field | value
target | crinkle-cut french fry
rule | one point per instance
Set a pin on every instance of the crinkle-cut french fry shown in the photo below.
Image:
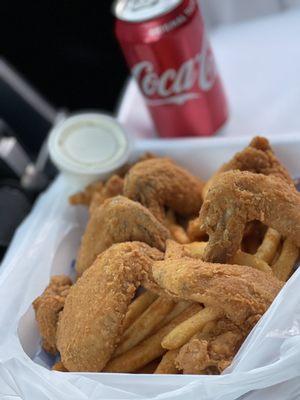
(269, 245)
(59, 366)
(150, 348)
(167, 364)
(283, 267)
(183, 332)
(137, 307)
(250, 260)
(145, 324)
(178, 309)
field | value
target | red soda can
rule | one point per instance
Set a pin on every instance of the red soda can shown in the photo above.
(167, 50)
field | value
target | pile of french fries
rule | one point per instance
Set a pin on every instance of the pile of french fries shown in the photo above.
(155, 328)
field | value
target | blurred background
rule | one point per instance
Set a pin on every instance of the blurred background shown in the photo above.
(61, 56)
(67, 49)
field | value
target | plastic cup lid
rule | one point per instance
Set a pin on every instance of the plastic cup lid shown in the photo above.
(90, 144)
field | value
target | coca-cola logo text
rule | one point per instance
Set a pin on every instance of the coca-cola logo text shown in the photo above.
(177, 86)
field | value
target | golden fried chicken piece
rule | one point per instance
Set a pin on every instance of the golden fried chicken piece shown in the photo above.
(118, 220)
(59, 366)
(122, 171)
(215, 349)
(85, 197)
(47, 308)
(174, 250)
(97, 192)
(158, 183)
(258, 158)
(91, 323)
(239, 292)
(113, 187)
(239, 197)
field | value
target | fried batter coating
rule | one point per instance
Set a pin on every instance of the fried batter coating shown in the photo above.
(258, 158)
(47, 308)
(122, 171)
(91, 323)
(240, 292)
(97, 192)
(239, 197)
(158, 183)
(113, 187)
(85, 197)
(118, 220)
(215, 349)
(59, 366)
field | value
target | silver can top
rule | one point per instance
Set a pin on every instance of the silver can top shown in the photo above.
(142, 10)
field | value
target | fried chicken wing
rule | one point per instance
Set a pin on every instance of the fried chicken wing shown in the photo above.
(240, 292)
(47, 308)
(238, 197)
(97, 192)
(118, 220)
(113, 187)
(158, 183)
(214, 349)
(58, 366)
(258, 158)
(85, 197)
(91, 322)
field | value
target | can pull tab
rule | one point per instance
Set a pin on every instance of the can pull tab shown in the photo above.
(137, 5)
(139, 10)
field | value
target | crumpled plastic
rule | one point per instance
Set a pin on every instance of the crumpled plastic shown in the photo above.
(46, 244)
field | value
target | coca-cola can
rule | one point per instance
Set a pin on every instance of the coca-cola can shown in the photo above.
(167, 50)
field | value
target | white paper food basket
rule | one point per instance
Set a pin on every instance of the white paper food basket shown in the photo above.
(46, 244)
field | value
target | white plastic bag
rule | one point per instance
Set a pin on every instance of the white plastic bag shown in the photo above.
(46, 244)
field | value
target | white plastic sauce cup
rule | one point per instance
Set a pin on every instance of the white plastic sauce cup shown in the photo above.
(89, 146)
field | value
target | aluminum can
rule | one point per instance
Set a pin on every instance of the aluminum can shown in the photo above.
(167, 49)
